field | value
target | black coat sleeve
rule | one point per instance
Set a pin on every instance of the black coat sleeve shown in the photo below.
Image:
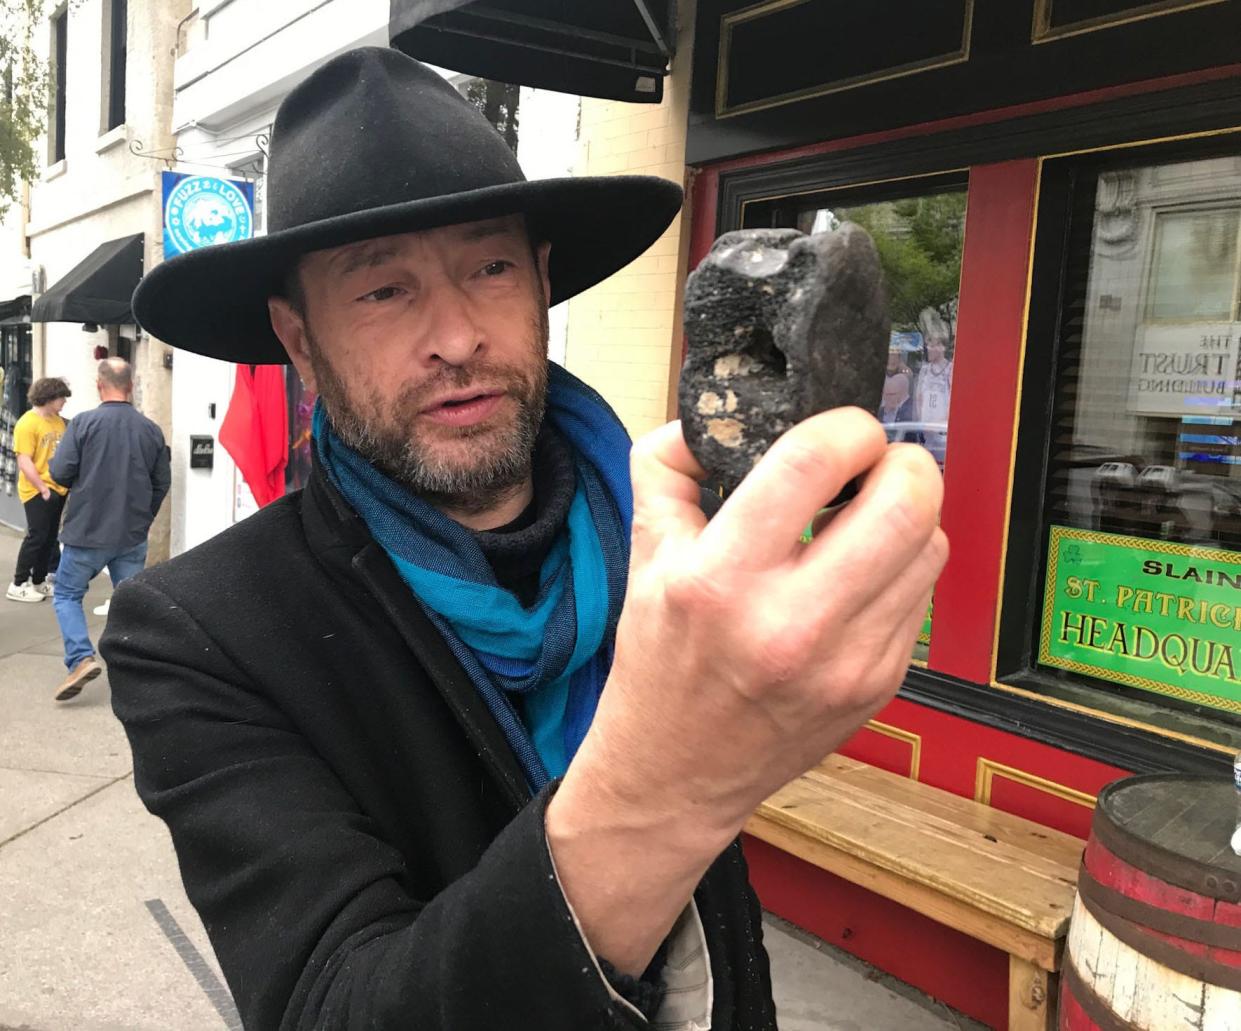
(305, 904)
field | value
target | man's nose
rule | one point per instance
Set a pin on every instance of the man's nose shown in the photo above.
(457, 335)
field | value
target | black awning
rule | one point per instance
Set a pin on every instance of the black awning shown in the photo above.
(98, 290)
(615, 49)
(15, 311)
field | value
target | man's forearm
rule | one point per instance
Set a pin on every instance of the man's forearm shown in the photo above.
(627, 868)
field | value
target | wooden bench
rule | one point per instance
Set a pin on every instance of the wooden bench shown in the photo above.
(996, 877)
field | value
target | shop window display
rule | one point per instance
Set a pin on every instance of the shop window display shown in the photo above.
(1142, 583)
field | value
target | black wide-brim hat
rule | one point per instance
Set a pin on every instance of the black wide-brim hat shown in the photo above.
(375, 143)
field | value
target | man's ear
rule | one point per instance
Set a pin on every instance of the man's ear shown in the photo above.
(543, 257)
(290, 326)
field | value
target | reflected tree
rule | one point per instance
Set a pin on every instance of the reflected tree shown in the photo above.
(919, 242)
(24, 82)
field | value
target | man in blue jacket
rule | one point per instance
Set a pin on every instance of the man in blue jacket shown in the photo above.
(115, 464)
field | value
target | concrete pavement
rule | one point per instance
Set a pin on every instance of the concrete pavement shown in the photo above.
(96, 933)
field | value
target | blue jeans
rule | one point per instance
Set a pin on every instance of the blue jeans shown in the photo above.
(78, 567)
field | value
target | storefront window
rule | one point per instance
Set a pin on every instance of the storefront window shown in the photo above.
(919, 236)
(1143, 569)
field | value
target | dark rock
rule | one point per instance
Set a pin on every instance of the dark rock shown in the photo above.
(778, 326)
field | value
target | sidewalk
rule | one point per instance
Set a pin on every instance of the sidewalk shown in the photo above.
(96, 933)
(89, 889)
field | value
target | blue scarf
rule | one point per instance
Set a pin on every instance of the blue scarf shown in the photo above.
(549, 660)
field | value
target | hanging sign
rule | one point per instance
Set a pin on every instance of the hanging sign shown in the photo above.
(201, 211)
(1188, 369)
(1157, 615)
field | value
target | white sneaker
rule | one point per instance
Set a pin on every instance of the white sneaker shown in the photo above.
(102, 610)
(24, 592)
(45, 588)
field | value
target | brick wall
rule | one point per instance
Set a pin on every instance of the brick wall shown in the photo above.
(622, 333)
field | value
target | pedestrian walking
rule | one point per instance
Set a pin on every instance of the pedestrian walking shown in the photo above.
(114, 460)
(36, 437)
(374, 714)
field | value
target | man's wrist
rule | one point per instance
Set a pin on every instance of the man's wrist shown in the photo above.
(628, 864)
(615, 789)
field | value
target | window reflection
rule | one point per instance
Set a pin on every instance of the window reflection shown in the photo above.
(919, 241)
(1147, 439)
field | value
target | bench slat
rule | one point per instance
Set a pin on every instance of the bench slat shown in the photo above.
(1063, 849)
(1037, 949)
(1002, 879)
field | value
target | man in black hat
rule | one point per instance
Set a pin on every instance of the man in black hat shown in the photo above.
(374, 715)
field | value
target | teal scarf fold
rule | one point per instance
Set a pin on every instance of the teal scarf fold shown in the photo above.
(540, 669)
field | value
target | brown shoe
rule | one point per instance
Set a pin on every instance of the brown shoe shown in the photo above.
(83, 673)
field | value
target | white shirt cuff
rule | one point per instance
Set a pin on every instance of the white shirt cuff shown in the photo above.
(689, 989)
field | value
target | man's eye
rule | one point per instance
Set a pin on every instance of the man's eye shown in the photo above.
(497, 268)
(384, 293)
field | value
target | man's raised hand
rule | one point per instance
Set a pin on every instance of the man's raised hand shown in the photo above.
(744, 656)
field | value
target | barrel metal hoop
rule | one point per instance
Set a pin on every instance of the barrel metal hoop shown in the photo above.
(1100, 1014)
(1190, 928)
(1179, 871)
(1142, 941)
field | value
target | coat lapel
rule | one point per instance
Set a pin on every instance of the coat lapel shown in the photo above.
(340, 526)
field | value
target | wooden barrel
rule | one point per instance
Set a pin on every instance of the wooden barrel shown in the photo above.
(1155, 939)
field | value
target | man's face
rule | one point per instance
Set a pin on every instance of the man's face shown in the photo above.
(430, 352)
(894, 362)
(895, 392)
(57, 405)
(935, 350)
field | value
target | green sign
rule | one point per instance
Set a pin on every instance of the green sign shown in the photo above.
(1158, 615)
(924, 634)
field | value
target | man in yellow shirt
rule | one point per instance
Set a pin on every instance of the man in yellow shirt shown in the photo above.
(35, 439)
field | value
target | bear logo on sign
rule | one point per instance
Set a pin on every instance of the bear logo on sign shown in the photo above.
(203, 211)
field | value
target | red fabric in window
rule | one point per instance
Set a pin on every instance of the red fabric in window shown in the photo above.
(255, 431)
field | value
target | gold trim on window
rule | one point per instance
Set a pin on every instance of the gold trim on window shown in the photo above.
(989, 769)
(768, 7)
(1043, 31)
(907, 737)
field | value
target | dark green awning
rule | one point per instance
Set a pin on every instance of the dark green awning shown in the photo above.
(615, 49)
(99, 289)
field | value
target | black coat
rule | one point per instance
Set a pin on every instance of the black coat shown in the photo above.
(351, 824)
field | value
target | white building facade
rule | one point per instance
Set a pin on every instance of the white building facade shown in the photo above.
(238, 60)
(111, 70)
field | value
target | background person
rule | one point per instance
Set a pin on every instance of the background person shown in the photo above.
(115, 460)
(897, 407)
(35, 438)
(933, 389)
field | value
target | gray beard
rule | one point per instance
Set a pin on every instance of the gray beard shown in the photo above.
(501, 465)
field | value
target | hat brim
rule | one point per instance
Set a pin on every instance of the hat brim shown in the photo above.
(214, 301)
